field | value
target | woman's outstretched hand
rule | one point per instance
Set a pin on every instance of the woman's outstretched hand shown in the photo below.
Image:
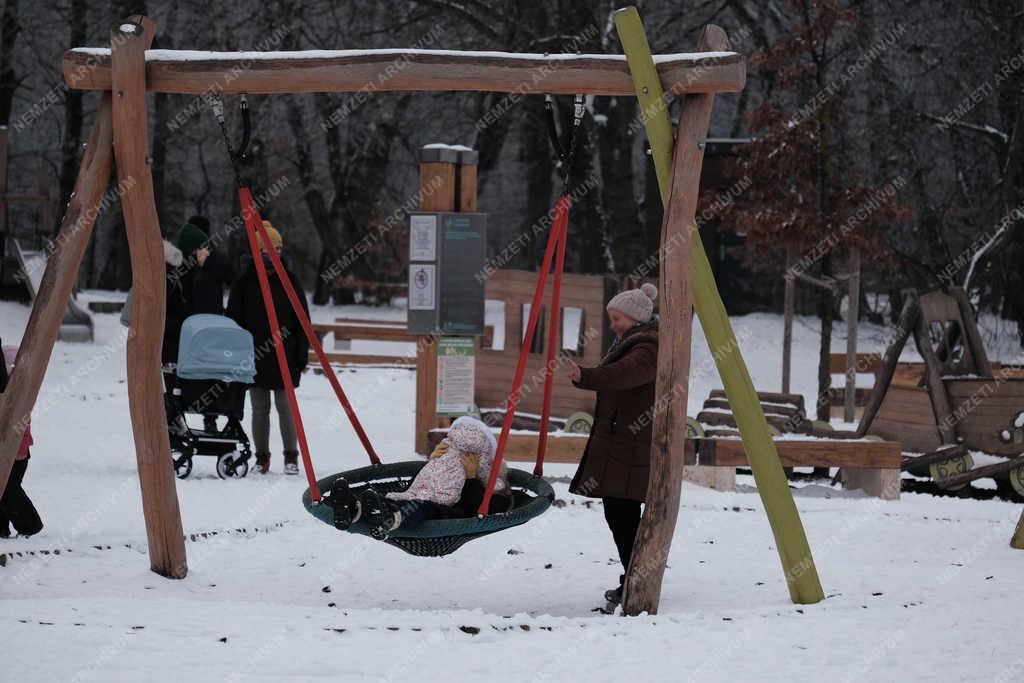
(573, 371)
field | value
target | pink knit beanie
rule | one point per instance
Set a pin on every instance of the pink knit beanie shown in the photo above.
(638, 304)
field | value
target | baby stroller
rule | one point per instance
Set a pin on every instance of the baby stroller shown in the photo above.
(215, 363)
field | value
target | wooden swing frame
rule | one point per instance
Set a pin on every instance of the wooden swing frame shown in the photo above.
(126, 72)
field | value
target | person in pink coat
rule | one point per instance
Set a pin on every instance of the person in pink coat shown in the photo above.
(16, 509)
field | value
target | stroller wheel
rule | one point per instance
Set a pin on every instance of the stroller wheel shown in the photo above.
(183, 465)
(232, 466)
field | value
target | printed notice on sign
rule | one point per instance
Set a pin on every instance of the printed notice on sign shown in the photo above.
(422, 238)
(421, 286)
(456, 375)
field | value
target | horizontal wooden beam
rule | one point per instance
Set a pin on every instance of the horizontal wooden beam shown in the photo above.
(941, 455)
(193, 72)
(363, 359)
(806, 453)
(366, 332)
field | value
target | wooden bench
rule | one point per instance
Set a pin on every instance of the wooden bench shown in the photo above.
(873, 466)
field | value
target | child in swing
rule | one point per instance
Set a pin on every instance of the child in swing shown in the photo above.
(451, 484)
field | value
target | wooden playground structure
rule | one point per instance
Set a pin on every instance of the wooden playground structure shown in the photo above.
(125, 73)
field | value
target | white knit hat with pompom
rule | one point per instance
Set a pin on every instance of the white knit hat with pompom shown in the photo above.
(638, 304)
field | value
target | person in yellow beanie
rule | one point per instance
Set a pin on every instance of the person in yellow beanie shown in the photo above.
(276, 240)
(246, 307)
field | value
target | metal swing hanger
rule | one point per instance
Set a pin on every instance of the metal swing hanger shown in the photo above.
(565, 145)
(237, 155)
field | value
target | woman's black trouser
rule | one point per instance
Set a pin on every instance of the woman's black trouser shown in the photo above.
(623, 517)
(15, 507)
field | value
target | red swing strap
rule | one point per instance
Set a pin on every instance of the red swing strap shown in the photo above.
(561, 212)
(556, 236)
(254, 227)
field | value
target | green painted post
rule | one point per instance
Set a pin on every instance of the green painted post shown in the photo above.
(1018, 537)
(794, 551)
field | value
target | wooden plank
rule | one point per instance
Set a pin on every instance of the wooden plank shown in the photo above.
(56, 286)
(342, 320)
(992, 470)
(780, 422)
(810, 453)
(145, 382)
(940, 455)
(787, 411)
(791, 541)
(866, 363)
(374, 333)
(767, 397)
(364, 359)
(642, 590)
(175, 71)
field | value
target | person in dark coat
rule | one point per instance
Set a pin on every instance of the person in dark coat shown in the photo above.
(616, 462)
(203, 271)
(177, 304)
(16, 508)
(245, 306)
(211, 273)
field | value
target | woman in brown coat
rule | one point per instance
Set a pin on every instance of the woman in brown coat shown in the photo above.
(617, 460)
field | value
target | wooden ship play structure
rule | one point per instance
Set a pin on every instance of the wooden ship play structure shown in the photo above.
(126, 72)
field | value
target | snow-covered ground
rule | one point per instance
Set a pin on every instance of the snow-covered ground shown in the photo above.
(921, 589)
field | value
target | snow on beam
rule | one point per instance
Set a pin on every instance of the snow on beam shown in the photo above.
(195, 72)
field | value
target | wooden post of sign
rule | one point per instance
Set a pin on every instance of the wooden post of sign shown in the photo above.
(852, 313)
(129, 42)
(789, 299)
(57, 284)
(438, 192)
(1018, 537)
(642, 591)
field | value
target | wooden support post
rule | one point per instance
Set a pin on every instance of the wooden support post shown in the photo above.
(971, 336)
(1018, 537)
(642, 591)
(794, 551)
(55, 289)
(789, 303)
(467, 169)
(438, 185)
(904, 328)
(145, 383)
(936, 387)
(852, 313)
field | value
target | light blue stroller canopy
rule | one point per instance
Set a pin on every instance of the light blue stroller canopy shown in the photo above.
(215, 347)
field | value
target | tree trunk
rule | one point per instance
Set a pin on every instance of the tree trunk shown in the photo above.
(9, 29)
(826, 306)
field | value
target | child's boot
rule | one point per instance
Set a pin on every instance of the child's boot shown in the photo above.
(380, 515)
(291, 462)
(347, 508)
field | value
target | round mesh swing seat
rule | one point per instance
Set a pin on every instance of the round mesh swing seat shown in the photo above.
(532, 495)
